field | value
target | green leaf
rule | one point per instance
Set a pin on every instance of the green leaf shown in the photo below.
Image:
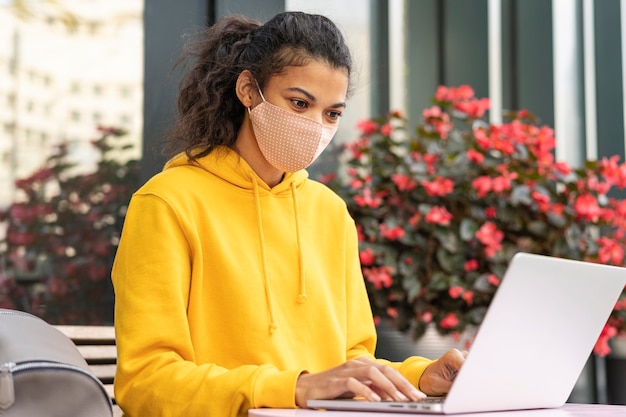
(413, 286)
(521, 195)
(468, 229)
(538, 228)
(448, 240)
(448, 261)
(439, 281)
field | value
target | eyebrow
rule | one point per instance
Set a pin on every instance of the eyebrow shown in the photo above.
(312, 97)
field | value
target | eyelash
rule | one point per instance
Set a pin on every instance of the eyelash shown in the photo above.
(336, 114)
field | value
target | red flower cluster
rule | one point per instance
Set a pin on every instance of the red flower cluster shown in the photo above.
(61, 235)
(441, 212)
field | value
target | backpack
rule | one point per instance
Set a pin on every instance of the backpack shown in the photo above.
(42, 373)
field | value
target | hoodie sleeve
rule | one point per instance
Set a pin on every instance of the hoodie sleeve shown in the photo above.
(361, 332)
(157, 373)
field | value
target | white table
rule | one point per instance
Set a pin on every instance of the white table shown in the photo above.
(568, 410)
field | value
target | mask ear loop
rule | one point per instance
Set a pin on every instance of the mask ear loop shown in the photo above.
(259, 88)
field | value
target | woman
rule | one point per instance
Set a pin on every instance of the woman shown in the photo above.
(237, 278)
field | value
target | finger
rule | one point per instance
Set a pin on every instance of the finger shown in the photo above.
(356, 387)
(404, 390)
(408, 390)
(454, 360)
(389, 383)
(439, 376)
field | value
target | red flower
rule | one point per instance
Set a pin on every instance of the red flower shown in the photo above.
(503, 182)
(437, 121)
(475, 156)
(455, 291)
(442, 94)
(586, 207)
(366, 257)
(366, 199)
(367, 127)
(414, 219)
(493, 280)
(438, 187)
(542, 201)
(439, 215)
(563, 168)
(356, 184)
(403, 182)
(471, 265)
(427, 317)
(602, 344)
(473, 108)
(482, 185)
(430, 159)
(490, 236)
(610, 252)
(379, 276)
(325, 179)
(451, 94)
(450, 321)
(357, 147)
(386, 129)
(394, 233)
(468, 296)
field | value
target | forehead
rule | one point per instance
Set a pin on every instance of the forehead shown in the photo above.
(318, 78)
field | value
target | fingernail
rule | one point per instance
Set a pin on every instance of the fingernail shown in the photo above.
(375, 397)
(418, 394)
(401, 396)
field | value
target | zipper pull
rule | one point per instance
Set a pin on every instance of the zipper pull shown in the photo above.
(7, 392)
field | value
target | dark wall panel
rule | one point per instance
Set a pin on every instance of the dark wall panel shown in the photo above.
(534, 71)
(423, 50)
(260, 10)
(609, 101)
(465, 45)
(165, 22)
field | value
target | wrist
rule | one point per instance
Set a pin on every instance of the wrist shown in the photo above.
(301, 390)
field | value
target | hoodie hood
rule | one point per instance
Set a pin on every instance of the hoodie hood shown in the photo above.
(228, 165)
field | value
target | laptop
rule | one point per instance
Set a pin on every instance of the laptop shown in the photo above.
(533, 343)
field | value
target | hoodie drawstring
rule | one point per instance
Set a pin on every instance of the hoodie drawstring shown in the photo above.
(302, 293)
(266, 284)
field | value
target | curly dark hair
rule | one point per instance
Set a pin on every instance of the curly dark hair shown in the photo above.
(209, 112)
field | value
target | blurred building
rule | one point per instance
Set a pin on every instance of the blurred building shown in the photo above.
(65, 68)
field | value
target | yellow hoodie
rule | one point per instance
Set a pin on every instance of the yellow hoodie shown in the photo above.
(226, 290)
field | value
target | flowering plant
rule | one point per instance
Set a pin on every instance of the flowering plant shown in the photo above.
(61, 233)
(441, 212)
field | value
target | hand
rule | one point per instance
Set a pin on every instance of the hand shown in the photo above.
(438, 376)
(361, 376)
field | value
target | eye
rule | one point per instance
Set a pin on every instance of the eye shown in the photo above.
(300, 104)
(333, 115)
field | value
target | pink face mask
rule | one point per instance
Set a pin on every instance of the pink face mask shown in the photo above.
(288, 141)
